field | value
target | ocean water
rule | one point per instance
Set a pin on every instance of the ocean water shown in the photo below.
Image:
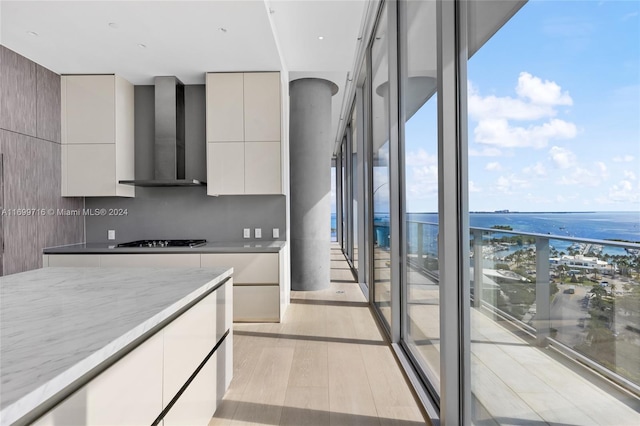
(590, 225)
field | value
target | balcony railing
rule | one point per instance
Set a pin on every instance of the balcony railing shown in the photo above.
(578, 296)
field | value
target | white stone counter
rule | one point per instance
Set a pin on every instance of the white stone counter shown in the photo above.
(58, 325)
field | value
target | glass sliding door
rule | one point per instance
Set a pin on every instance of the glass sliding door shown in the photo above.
(381, 214)
(548, 293)
(420, 276)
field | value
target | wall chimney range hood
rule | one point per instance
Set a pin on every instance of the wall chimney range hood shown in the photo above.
(169, 146)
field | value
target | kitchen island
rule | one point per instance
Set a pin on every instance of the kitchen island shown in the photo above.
(70, 334)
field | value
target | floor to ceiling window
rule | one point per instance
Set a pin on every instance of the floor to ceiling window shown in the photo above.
(381, 214)
(421, 301)
(354, 189)
(334, 202)
(554, 161)
(505, 315)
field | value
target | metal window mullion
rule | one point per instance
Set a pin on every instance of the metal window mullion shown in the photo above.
(453, 241)
(349, 192)
(339, 197)
(394, 170)
(403, 29)
(360, 170)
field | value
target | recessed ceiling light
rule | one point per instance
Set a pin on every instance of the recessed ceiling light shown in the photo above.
(113, 25)
(320, 38)
(142, 46)
(33, 33)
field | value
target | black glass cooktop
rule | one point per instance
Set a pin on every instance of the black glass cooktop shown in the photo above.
(164, 243)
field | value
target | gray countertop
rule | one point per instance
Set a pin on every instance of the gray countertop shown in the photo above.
(59, 324)
(210, 247)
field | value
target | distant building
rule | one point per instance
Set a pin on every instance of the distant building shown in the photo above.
(580, 262)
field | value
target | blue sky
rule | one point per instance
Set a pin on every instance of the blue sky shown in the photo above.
(554, 114)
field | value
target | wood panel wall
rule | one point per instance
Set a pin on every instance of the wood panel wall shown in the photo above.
(30, 148)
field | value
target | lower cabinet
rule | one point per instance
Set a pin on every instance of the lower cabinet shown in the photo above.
(127, 393)
(257, 292)
(256, 303)
(138, 387)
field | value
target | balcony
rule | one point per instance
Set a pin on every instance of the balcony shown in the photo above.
(555, 325)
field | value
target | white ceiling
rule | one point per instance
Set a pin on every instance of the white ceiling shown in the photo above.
(185, 38)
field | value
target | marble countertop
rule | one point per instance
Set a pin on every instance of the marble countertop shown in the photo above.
(210, 247)
(58, 324)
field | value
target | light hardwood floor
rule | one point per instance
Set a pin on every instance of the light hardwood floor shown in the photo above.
(325, 364)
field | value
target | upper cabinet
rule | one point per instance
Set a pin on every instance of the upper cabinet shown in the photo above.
(97, 135)
(244, 133)
(262, 107)
(225, 108)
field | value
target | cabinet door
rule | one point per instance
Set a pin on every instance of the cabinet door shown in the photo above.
(198, 403)
(88, 109)
(256, 303)
(88, 170)
(225, 168)
(261, 106)
(262, 168)
(248, 268)
(225, 111)
(74, 260)
(187, 341)
(150, 260)
(127, 393)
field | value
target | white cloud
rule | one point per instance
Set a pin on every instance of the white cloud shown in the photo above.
(537, 169)
(582, 177)
(602, 168)
(629, 175)
(485, 152)
(499, 132)
(510, 185)
(473, 187)
(422, 174)
(624, 191)
(623, 158)
(541, 92)
(536, 100)
(493, 166)
(562, 157)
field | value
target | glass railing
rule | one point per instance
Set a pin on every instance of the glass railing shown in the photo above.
(578, 297)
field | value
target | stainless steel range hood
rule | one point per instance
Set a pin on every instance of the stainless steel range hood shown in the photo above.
(169, 146)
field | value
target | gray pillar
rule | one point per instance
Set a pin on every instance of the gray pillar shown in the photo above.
(310, 170)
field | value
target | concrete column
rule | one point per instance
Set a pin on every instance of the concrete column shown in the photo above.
(310, 170)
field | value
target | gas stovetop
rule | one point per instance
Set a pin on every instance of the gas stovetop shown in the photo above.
(164, 243)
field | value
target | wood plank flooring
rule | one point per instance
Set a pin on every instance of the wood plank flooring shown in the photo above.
(325, 364)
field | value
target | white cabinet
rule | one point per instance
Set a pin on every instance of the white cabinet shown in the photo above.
(263, 299)
(97, 135)
(187, 260)
(261, 107)
(256, 290)
(243, 133)
(114, 397)
(256, 303)
(248, 268)
(262, 168)
(187, 341)
(88, 109)
(71, 260)
(138, 387)
(225, 109)
(225, 168)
